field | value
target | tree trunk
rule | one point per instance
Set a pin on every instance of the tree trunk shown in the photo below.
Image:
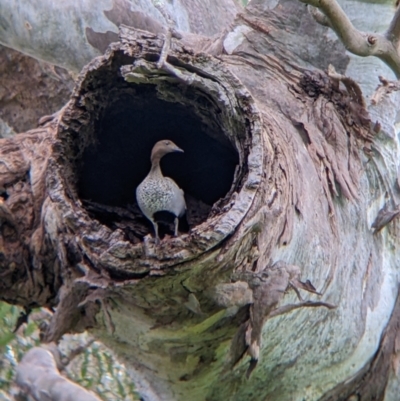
(284, 174)
(71, 33)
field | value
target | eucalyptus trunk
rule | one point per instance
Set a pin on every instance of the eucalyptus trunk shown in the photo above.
(283, 283)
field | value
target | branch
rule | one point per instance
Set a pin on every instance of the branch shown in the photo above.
(385, 216)
(360, 43)
(393, 32)
(352, 87)
(169, 34)
(383, 89)
(305, 304)
(77, 351)
(319, 17)
(39, 377)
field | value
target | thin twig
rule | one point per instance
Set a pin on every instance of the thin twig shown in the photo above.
(170, 33)
(305, 304)
(352, 87)
(165, 49)
(384, 89)
(77, 351)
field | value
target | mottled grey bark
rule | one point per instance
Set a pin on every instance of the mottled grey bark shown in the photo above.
(71, 33)
(285, 173)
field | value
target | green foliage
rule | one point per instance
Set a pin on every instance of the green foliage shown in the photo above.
(12, 347)
(96, 368)
(100, 371)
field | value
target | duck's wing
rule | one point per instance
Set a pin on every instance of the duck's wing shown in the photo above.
(178, 204)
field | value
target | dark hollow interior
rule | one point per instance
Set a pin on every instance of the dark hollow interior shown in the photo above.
(112, 168)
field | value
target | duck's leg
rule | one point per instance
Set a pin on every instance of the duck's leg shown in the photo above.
(157, 238)
(176, 222)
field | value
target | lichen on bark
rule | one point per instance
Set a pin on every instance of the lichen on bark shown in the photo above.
(293, 153)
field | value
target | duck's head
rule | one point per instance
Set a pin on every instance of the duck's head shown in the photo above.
(163, 147)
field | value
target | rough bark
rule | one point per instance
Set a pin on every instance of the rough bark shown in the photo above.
(285, 176)
(29, 89)
(70, 34)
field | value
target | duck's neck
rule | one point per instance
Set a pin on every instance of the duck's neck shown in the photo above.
(155, 170)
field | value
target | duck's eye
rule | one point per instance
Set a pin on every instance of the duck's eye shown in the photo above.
(167, 143)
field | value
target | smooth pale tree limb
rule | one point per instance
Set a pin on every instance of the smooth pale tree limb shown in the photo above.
(383, 46)
(38, 376)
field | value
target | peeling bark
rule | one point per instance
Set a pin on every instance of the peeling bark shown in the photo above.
(284, 177)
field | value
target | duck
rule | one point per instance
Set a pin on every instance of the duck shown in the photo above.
(157, 193)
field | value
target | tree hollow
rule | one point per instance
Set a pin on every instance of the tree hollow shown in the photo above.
(123, 103)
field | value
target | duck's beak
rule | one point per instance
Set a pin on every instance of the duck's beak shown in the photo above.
(176, 149)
